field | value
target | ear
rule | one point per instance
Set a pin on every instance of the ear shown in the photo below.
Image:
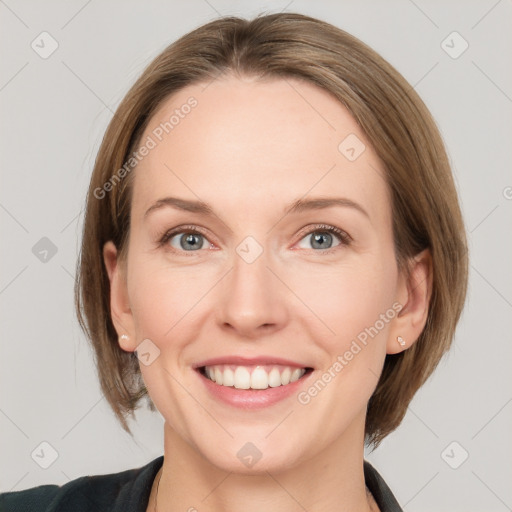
(120, 310)
(414, 292)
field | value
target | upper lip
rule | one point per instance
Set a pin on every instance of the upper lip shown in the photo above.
(249, 361)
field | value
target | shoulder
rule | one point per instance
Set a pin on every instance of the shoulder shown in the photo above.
(381, 492)
(36, 498)
(128, 491)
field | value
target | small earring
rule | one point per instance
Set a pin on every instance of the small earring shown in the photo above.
(401, 341)
(124, 337)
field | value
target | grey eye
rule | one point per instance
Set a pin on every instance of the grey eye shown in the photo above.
(188, 241)
(319, 239)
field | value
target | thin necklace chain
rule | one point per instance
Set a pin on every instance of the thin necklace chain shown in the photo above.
(160, 477)
(157, 487)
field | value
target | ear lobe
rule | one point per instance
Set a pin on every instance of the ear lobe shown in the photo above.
(120, 310)
(414, 291)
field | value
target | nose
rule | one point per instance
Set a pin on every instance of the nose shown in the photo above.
(252, 302)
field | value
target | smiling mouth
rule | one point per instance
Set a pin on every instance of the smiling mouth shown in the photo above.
(258, 377)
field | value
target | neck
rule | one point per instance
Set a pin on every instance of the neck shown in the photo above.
(332, 481)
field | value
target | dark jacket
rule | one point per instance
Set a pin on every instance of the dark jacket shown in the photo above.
(128, 491)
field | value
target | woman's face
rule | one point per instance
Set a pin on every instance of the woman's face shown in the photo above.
(234, 263)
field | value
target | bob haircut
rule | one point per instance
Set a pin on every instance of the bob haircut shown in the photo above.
(425, 208)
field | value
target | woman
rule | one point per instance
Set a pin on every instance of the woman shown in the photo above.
(274, 255)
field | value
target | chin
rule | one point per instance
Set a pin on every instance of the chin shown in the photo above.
(251, 454)
(251, 464)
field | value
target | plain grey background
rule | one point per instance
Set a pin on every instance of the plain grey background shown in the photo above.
(54, 111)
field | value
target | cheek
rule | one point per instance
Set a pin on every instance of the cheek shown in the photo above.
(350, 298)
(352, 307)
(164, 304)
(162, 298)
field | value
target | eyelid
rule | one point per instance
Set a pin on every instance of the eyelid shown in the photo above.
(179, 230)
(344, 237)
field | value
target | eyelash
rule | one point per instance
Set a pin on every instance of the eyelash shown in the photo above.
(345, 238)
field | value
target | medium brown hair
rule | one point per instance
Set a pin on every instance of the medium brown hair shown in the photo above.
(425, 207)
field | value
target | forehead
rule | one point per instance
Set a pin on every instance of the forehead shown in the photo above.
(242, 141)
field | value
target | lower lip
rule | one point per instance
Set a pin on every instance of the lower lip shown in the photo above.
(252, 398)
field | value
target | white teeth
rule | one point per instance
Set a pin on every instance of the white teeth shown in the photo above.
(285, 376)
(296, 375)
(242, 378)
(259, 379)
(274, 378)
(228, 379)
(218, 375)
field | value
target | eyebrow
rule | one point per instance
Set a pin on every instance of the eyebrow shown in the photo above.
(298, 206)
